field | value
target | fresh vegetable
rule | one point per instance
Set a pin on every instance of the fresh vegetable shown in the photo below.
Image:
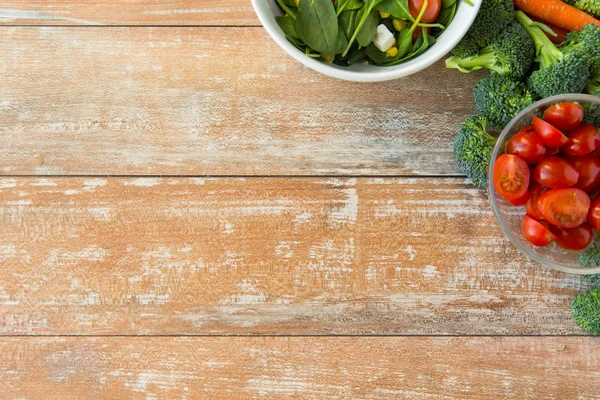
(560, 71)
(591, 7)
(557, 13)
(531, 206)
(511, 177)
(588, 167)
(551, 136)
(528, 146)
(511, 54)
(590, 258)
(593, 217)
(593, 279)
(346, 32)
(575, 239)
(473, 150)
(564, 116)
(586, 311)
(556, 34)
(588, 41)
(535, 232)
(493, 17)
(499, 99)
(582, 140)
(555, 172)
(564, 208)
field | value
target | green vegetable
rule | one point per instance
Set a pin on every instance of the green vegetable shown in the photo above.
(397, 8)
(317, 25)
(510, 54)
(591, 7)
(493, 17)
(347, 5)
(500, 99)
(587, 41)
(347, 22)
(361, 18)
(560, 72)
(288, 26)
(593, 279)
(590, 257)
(591, 114)
(586, 311)
(473, 150)
(369, 29)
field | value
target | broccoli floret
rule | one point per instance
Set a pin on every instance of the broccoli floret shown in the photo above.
(473, 150)
(590, 257)
(586, 311)
(591, 114)
(587, 41)
(493, 17)
(593, 279)
(560, 72)
(591, 7)
(510, 54)
(593, 86)
(499, 99)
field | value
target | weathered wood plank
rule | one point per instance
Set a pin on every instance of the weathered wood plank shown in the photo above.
(370, 368)
(127, 12)
(266, 256)
(200, 101)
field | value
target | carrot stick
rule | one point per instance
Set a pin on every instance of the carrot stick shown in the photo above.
(560, 32)
(556, 13)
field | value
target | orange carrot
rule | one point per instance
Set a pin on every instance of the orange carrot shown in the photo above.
(556, 13)
(560, 32)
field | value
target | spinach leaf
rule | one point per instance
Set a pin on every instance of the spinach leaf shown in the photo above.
(347, 5)
(317, 25)
(397, 8)
(347, 22)
(377, 56)
(291, 3)
(287, 26)
(361, 18)
(357, 56)
(291, 11)
(369, 29)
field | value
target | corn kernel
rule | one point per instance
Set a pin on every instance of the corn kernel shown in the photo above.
(399, 24)
(392, 52)
(384, 14)
(297, 3)
(327, 58)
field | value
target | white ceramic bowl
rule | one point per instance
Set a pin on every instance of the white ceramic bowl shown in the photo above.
(465, 14)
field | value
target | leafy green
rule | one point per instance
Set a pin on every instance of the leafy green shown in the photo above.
(288, 26)
(347, 21)
(317, 25)
(347, 5)
(361, 18)
(369, 29)
(397, 8)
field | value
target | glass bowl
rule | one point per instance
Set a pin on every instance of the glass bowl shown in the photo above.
(509, 217)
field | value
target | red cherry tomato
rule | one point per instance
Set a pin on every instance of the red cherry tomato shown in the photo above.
(531, 206)
(594, 215)
(511, 177)
(584, 139)
(528, 146)
(431, 12)
(551, 136)
(527, 129)
(564, 116)
(552, 151)
(536, 233)
(566, 208)
(573, 239)
(588, 167)
(417, 32)
(555, 172)
(521, 200)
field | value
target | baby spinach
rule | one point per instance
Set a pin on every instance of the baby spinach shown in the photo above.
(347, 22)
(287, 8)
(369, 29)
(347, 5)
(397, 8)
(288, 26)
(361, 18)
(317, 25)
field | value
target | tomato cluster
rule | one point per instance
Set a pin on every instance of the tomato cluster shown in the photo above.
(556, 176)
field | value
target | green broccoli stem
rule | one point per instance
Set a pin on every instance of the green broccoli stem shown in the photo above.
(546, 52)
(593, 86)
(485, 59)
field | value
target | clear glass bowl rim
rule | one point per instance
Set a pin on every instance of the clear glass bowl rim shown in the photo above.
(574, 97)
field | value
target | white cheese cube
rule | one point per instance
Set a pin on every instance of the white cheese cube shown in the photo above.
(384, 38)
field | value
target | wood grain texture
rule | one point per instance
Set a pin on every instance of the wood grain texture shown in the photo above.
(201, 101)
(127, 12)
(266, 256)
(370, 368)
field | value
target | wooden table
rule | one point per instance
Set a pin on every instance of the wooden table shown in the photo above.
(186, 212)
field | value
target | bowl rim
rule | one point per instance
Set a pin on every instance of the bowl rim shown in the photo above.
(385, 74)
(573, 97)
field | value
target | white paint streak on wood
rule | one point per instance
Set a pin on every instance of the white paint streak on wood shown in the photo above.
(15, 15)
